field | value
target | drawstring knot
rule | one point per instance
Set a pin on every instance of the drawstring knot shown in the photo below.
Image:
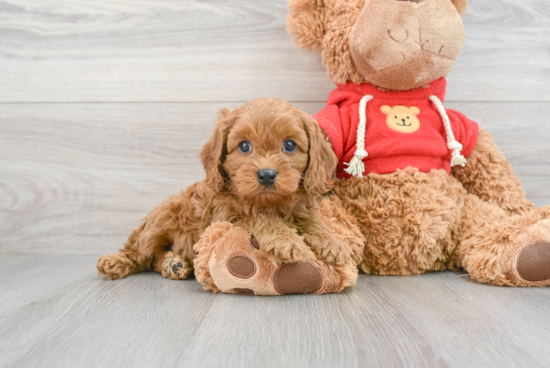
(356, 167)
(454, 146)
(458, 159)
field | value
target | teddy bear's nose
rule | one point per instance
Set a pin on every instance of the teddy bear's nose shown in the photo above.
(403, 120)
(266, 176)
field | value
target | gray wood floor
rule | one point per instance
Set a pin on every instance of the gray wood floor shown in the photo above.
(104, 106)
(56, 312)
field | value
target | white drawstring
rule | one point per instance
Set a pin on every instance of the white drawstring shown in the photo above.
(452, 143)
(356, 166)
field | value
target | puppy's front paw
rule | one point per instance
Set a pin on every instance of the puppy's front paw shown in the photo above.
(175, 269)
(285, 250)
(330, 249)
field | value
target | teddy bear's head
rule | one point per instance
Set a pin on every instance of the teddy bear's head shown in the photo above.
(393, 44)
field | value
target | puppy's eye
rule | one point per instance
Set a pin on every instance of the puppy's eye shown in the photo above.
(289, 146)
(245, 147)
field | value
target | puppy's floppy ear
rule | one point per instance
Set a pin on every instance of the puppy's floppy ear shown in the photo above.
(214, 151)
(319, 175)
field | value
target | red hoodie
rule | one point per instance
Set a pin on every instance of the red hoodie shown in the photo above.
(402, 128)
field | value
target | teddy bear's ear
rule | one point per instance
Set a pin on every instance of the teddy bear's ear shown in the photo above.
(460, 5)
(386, 109)
(306, 21)
(415, 110)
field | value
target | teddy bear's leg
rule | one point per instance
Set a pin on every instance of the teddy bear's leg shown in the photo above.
(489, 176)
(229, 260)
(500, 249)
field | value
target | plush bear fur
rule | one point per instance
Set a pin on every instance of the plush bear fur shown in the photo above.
(478, 217)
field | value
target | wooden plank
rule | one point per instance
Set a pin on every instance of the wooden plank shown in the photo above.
(470, 324)
(145, 320)
(93, 322)
(437, 320)
(76, 178)
(25, 278)
(354, 329)
(171, 50)
(81, 176)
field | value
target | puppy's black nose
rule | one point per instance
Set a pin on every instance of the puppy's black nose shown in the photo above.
(266, 176)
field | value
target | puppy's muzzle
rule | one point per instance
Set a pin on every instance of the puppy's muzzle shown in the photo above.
(266, 177)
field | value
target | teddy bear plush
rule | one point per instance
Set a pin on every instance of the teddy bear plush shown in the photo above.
(429, 189)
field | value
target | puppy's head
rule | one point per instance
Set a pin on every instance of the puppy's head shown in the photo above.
(266, 152)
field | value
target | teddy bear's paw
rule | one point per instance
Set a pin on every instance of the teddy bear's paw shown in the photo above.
(238, 264)
(533, 262)
(330, 249)
(298, 278)
(175, 268)
(242, 291)
(242, 266)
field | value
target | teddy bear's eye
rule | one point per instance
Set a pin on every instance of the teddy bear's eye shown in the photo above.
(245, 147)
(407, 117)
(396, 117)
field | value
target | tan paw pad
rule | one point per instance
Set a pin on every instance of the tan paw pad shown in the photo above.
(241, 266)
(243, 291)
(298, 278)
(533, 263)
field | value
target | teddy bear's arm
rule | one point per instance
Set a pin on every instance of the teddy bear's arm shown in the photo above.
(489, 176)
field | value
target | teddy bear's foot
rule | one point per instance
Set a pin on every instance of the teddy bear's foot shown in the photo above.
(533, 263)
(229, 261)
(532, 260)
(298, 278)
(518, 254)
(289, 278)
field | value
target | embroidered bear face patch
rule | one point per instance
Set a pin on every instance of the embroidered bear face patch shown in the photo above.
(401, 118)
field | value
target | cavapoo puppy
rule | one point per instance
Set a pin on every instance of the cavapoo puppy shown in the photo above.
(259, 217)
